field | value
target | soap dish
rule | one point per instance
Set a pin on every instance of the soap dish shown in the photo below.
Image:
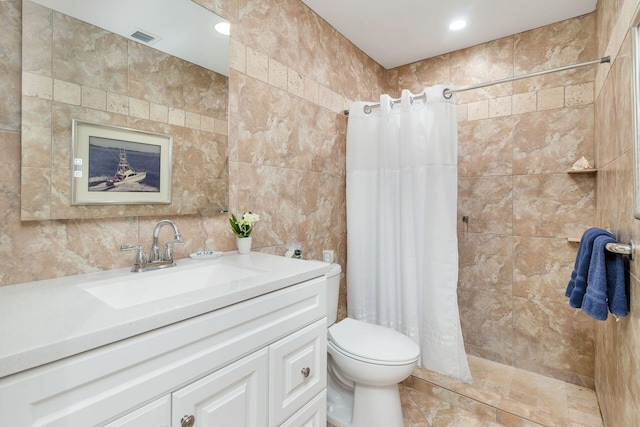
(205, 255)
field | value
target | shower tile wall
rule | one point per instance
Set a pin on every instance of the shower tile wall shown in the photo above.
(617, 344)
(516, 142)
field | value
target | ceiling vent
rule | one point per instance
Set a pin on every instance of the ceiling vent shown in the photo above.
(143, 36)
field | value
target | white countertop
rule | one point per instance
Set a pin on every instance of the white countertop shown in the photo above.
(47, 320)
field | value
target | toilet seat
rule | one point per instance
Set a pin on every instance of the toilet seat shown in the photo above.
(372, 343)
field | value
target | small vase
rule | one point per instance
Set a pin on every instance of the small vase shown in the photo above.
(244, 245)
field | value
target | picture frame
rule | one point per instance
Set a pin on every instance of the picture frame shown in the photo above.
(117, 165)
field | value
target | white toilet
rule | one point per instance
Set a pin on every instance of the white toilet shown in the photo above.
(365, 364)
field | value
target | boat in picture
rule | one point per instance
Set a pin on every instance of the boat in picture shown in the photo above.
(125, 172)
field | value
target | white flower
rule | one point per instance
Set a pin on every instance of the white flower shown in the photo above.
(242, 227)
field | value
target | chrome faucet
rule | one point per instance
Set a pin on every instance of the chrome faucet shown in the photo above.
(155, 260)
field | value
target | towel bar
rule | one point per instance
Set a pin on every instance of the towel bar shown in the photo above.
(621, 248)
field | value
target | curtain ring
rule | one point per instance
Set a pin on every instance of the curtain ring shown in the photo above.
(446, 92)
(391, 104)
(367, 109)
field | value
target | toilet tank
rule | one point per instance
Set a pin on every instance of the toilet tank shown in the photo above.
(333, 292)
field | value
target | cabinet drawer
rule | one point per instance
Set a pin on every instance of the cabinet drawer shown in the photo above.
(314, 414)
(157, 414)
(299, 370)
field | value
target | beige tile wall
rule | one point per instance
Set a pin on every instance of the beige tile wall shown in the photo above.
(516, 141)
(617, 344)
(127, 84)
(292, 75)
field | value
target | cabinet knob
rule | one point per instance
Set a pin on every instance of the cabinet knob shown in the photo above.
(305, 372)
(187, 421)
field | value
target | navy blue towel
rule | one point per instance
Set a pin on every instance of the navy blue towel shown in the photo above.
(606, 283)
(577, 286)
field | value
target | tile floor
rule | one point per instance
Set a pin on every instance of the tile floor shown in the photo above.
(499, 396)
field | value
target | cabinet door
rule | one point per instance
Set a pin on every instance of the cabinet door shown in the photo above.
(299, 370)
(155, 414)
(232, 396)
(314, 414)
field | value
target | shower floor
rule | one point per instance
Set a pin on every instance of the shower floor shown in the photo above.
(500, 396)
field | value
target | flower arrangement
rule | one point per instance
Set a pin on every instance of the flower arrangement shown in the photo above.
(244, 226)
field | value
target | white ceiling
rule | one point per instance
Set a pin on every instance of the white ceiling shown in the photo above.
(184, 29)
(399, 32)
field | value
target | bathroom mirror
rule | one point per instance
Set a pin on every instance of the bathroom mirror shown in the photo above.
(149, 65)
(635, 38)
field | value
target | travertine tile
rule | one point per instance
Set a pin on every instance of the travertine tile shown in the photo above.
(36, 133)
(351, 64)
(311, 90)
(119, 104)
(551, 141)
(140, 108)
(483, 63)
(176, 116)
(94, 98)
(36, 35)
(500, 107)
(321, 140)
(418, 75)
(11, 65)
(268, 128)
(155, 76)
(273, 192)
(552, 205)
(542, 268)
(321, 205)
(319, 49)
(488, 140)
(158, 113)
(488, 201)
(67, 92)
(278, 74)
(271, 26)
(478, 110)
(75, 61)
(237, 55)
(581, 94)
(486, 262)
(324, 97)
(192, 120)
(486, 319)
(257, 65)
(540, 325)
(507, 395)
(295, 83)
(37, 86)
(549, 99)
(524, 102)
(556, 45)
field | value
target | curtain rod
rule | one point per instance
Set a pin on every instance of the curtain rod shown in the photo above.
(447, 93)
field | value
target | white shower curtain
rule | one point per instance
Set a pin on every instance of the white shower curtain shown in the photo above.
(402, 250)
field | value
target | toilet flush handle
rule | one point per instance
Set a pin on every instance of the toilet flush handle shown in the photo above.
(305, 372)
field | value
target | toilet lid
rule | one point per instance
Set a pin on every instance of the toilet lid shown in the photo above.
(373, 342)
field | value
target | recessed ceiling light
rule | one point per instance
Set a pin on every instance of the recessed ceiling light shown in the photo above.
(458, 24)
(223, 28)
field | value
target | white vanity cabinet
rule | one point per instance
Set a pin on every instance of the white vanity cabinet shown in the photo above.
(260, 362)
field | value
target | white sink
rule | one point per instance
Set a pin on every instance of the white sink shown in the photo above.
(141, 288)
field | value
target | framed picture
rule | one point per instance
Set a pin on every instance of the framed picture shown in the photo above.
(116, 165)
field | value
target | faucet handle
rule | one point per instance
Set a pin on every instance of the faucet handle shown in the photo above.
(140, 257)
(168, 252)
